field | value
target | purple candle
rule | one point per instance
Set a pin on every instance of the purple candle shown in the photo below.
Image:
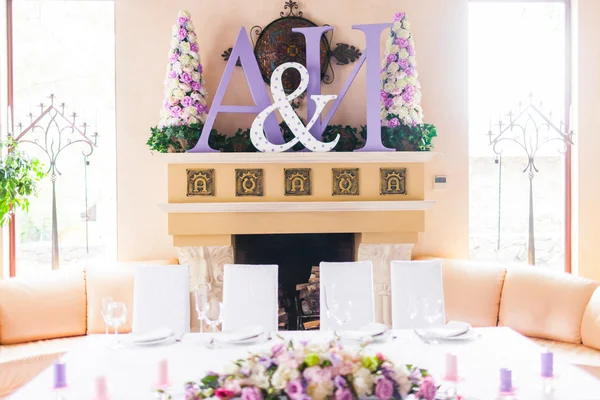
(547, 364)
(60, 375)
(505, 380)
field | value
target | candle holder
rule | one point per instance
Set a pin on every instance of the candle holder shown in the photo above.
(53, 132)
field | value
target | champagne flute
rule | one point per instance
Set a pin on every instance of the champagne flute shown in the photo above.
(117, 316)
(201, 300)
(105, 302)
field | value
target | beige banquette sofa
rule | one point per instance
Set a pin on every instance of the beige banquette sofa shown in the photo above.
(42, 318)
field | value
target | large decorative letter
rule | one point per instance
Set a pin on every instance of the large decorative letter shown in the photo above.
(282, 103)
(242, 50)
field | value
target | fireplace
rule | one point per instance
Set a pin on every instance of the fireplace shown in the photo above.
(296, 255)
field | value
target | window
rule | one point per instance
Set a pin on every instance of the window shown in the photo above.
(66, 49)
(518, 53)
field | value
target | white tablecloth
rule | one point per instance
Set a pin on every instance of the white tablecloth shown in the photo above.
(131, 371)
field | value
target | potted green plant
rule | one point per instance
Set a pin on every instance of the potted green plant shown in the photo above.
(19, 179)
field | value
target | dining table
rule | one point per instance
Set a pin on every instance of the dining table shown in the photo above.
(131, 371)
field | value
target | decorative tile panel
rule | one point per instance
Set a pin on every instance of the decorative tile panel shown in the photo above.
(393, 180)
(249, 182)
(345, 182)
(200, 182)
(297, 182)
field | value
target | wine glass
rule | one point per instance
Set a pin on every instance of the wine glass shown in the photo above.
(105, 302)
(201, 300)
(117, 316)
(214, 314)
(338, 311)
(413, 311)
(433, 315)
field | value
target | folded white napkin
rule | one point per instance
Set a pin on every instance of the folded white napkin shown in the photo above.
(246, 333)
(152, 336)
(452, 329)
(373, 330)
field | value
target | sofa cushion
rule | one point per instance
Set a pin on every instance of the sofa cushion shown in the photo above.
(590, 324)
(20, 363)
(50, 305)
(472, 291)
(116, 282)
(571, 353)
(545, 304)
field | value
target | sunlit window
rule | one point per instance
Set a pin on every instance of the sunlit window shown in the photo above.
(517, 55)
(66, 49)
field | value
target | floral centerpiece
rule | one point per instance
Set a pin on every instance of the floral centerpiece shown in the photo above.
(184, 107)
(401, 112)
(314, 371)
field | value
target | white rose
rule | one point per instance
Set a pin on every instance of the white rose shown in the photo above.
(175, 30)
(403, 54)
(411, 41)
(363, 382)
(402, 379)
(394, 49)
(188, 68)
(393, 67)
(282, 376)
(173, 100)
(411, 80)
(185, 48)
(184, 14)
(406, 24)
(177, 66)
(391, 78)
(196, 76)
(384, 113)
(190, 25)
(192, 37)
(194, 63)
(389, 41)
(412, 60)
(191, 110)
(403, 113)
(192, 120)
(172, 121)
(383, 76)
(401, 75)
(396, 26)
(403, 33)
(185, 87)
(184, 59)
(178, 94)
(389, 87)
(202, 91)
(194, 55)
(196, 97)
(173, 83)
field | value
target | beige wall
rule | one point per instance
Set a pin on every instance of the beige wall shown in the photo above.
(143, 30)
(587, 139)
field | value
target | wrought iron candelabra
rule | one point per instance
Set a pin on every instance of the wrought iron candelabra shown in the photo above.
(53, 132)
(530, 129)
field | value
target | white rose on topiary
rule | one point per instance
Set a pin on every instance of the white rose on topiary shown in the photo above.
(185, 48)
(185, 87)
(178, 94)
(389, 87)
(192, 37)
(189, 26)
(393, 68)
(394, 49)
(406, 24)
(403, 33)
(184, 59)
(403, 54)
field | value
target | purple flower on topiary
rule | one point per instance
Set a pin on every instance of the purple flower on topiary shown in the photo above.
(407, 97)
(399, 16)
(195, 85)
(182, 21)
(201, 109)
(174, 57)
(175, 111)
(194, 47)
(411, 50)
(384, 389)
(409, 71)
(384, 95)
(402, 42)
(389, 102)
(182, 33)
(391, 58)
(186, 78)
(172, 74)
(404, 64)
(187, 101)
(200, 68)
(251, 393)
(410, 89)
(392, 123)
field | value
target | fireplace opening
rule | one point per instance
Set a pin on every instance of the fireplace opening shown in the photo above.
(296, 255)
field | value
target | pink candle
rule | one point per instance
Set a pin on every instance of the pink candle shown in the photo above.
(451, 367)
(163, 373)
(101, 390)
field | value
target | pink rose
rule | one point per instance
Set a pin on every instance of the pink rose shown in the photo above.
(399, 16)
(343, 394)
(182, 20)
(392, 123)
(182, 33)
(251, 393)
(428, 389)
(384, 389)
(402, 42)
(295, 389)
(224, 394)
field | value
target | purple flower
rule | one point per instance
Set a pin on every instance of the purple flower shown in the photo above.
(194, 47)
(404, 64)
(384, 95)
(182, 33)
(190, 394)
(392, 123)
(402, 42)
(175, 111)
(245, 370)
(295, 389)
(399, 16)
(389, 102)
(174, 57)
(195, 85)
(409, 71)
(340, 382)
(187, 101)
(343, 394)
(411, 50)
(182, 21)
(186, 78)
(265, 361)
(201, 109)
(172, 74)
(279, 347)
(410, 89)
(427, 389)
(391, 58)
(384, 389)
(251, 393)
(407, 97)
(200, 68)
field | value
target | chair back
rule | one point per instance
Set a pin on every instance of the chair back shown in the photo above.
(250, 296)
(161, 298)
(353, 282)
(417, 294)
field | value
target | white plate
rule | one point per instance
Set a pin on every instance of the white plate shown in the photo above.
(450, 330)
(167, 340)
(151, 336)
(471, 334)
(242, 335)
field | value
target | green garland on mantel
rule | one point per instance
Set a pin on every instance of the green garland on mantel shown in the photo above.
(178, 139)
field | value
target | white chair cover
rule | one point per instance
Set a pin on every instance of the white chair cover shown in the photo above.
(250, 296)
(161, 298)
(416, 281)
(353, 282)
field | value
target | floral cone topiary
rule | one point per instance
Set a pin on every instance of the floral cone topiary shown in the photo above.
(401, 112)
(184, 108)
